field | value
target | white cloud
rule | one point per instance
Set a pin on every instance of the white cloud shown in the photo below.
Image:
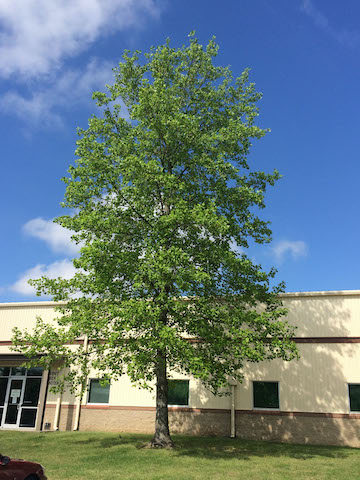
(61, 268)
(343, 36)
(295, 249)
(235, 247)
(56, 237)
(71, 88)
(37, 35)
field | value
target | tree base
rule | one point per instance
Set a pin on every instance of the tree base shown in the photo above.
(160, 443)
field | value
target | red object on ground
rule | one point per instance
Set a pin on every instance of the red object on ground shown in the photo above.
(20, 469)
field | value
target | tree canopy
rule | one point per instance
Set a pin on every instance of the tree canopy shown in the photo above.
(164, 203)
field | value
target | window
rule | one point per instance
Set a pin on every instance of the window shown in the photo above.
(266, 394)
(354, 396)
(35, 372)
(178, 392)
(97, 392)
(18, 371)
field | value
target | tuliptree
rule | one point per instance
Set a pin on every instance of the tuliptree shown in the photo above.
(164, 203)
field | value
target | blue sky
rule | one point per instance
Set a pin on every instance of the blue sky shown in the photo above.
(304, 57)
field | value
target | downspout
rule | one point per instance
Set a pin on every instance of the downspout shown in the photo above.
(79, 401)
(232, 383)
(57, 413)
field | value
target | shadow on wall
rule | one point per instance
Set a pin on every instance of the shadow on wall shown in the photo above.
(318, 382)
(68, 401)
(309, 388)
(67, 418)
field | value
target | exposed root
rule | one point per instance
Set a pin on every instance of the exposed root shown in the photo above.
(156, 443)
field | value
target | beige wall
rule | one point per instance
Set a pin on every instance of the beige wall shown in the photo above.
(324, 314)
(23, 315)
(316, 314)
(316, 383)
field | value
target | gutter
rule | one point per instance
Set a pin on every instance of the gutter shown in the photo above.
(232, 383)
(57, 413)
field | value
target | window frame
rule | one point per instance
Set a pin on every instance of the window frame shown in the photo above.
(88, 393)
(348, 389)
(180, 380)
(274, 409)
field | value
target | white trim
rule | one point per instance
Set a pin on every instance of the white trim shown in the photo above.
(21, 378)
(21, 406)
(330, 293)
(31, 304)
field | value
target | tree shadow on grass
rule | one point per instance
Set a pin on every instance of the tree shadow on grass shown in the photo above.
(215, 448)
(135, 441)
(97, 441)
(228, 449)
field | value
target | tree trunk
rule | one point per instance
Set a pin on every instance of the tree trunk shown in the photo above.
(162, 437)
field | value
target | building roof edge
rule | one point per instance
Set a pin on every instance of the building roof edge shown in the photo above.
(31, 304)
(329, 293)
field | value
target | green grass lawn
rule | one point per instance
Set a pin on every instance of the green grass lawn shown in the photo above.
(105, 456)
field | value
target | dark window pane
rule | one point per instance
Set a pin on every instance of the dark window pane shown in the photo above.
(15, 391)
(28, 417)
(32, 389)
(35, 372)
(1, 414)
(178, 392)
(266, 394)
(18, 371)
(98, 393)
(4, 371)
(3, 387)
(354, 394)
(11, 414)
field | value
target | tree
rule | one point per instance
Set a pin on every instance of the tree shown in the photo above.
(164, 203)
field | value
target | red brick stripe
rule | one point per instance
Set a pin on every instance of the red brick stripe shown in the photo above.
(215, 410)
(298, 414)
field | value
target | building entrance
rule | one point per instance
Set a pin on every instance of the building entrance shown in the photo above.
(19, 396)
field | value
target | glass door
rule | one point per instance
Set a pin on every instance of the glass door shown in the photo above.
(30, 402)
(12, 406)
(19, 396)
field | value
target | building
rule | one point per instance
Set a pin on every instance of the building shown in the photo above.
(313, 400)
